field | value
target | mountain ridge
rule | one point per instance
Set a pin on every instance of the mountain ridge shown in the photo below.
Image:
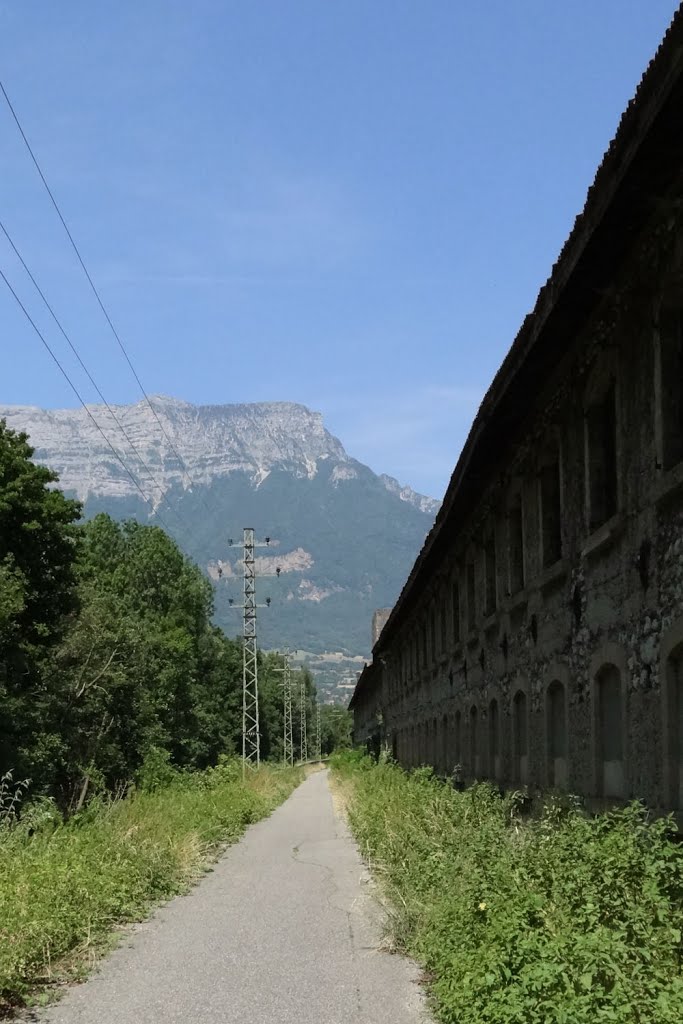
(343, 536)
(212, 439)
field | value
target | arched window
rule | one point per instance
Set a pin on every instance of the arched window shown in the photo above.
(494, 741)
(674, 768)
(556, 735)
(457, 738)
(433, 751)
(520, 737)
(474, 742)
(609, 732)
(674, 725)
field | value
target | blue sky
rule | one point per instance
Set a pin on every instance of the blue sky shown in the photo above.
(350, 205)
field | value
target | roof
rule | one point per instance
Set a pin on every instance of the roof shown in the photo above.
(641, 160)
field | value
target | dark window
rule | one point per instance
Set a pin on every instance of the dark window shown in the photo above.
(674, 670)
(455, 607)
(432, 634)
(474, 739)
(471, 596)
(556, 724)
(519, 729)
(490, 568)
(424, 643)
(457, 737)
(609, 732)
(557, 733)
(671, 383)
(493, 738)
(516, 544)
(551, 513)
(601, 427)
(444, 626)
(610, 714)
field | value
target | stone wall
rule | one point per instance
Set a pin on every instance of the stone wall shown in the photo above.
(544, 646)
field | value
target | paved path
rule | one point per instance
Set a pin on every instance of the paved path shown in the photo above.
(283, 930)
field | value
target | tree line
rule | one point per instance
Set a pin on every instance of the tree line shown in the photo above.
(108, 653)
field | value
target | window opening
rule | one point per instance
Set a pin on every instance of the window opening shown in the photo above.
(490, 560)
(601, 425)
(471, 595)
(455, 598)
(671, 385)
(551, 513)
(610, 741)
(516, 544)
(556, 735)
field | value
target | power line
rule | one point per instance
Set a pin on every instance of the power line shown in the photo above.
(77, 393)
(85, 369)
(94, 289)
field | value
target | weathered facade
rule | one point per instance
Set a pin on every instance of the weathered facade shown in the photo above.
(539, 637)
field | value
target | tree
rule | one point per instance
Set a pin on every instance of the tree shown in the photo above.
(38, 547)
(336, 724)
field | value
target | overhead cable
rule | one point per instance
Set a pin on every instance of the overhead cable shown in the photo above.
(159, 487)
(94, 289)
(77, 393)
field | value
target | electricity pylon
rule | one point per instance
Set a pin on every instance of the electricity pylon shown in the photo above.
(251, 733)
(304, 742)
(318, 744)
(288, 743)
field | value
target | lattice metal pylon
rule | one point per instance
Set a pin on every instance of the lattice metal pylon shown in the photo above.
(251, 737)
(288, 754)
(318, 743)
(304, 740)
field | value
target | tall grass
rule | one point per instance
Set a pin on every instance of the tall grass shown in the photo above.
(64, 887)
(563, 919)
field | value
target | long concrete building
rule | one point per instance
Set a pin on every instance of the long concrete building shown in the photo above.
(539, 637)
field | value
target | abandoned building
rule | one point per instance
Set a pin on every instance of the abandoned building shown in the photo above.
(539, 637)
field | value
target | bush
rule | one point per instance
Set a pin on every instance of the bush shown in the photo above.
(560, 920)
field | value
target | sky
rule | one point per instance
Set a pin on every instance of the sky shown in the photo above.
(350, 205)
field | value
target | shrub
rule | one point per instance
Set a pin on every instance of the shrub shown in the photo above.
(563, 919)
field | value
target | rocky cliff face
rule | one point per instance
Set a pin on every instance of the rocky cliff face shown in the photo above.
(212, 440)
(343, 537)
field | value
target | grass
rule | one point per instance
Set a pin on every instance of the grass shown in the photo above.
(64, 888)
(562, 919)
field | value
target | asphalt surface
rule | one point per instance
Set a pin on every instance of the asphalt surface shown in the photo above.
(284, 929)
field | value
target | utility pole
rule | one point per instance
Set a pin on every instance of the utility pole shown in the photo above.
(251, 733)
(304, 742)
(318, 744)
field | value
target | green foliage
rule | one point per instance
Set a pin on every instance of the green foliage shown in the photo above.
(11, 796)
(560, 920)
(110, 666)
(64, 886)
(156, 771)
(38, 543)
(336, 724)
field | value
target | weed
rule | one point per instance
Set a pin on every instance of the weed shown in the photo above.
(558, 919)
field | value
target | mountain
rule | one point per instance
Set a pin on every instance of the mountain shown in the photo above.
(343, 537)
